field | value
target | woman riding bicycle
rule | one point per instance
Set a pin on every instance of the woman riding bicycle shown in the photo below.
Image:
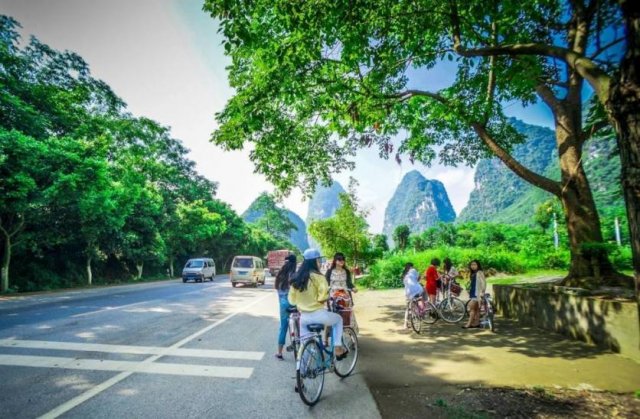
(309, 292)
(476, 292)
(282, 281)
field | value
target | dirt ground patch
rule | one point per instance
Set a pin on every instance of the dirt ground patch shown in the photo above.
(516, 372)
(479, 402)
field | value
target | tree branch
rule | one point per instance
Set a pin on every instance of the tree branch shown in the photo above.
(605, 47)
(491, 83)
(594, 129)
(528, 175)
(599, 80)
(408, 94)
(455, 23)
(546, 94)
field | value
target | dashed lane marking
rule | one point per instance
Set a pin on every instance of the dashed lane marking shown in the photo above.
(127, 349)
(125, 366)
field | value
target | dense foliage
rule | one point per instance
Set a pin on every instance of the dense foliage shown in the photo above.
(280, 222)
(87, 189)
(346, 231)
(500, 248)
(418, 203)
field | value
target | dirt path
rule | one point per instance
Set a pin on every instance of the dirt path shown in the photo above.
(446, 368)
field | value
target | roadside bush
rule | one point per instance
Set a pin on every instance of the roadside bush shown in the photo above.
(385, 273)
(621, 258)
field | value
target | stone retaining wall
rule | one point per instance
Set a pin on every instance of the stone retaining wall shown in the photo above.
(609, 323)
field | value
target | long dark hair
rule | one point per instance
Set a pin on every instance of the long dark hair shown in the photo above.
(477, 263)
(301, 277)
(447, 264)
(407, 268)
(333, 266)
(284, 275)
(435, 262)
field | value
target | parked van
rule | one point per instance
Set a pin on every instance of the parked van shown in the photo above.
(199, 269)
(248, 270)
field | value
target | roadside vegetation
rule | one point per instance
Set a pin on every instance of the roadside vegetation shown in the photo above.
(90, 193)
(517, 250)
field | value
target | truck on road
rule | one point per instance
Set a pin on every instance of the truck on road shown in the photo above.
(276, 259)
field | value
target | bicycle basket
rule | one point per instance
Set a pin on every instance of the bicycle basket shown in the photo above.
(456, 289)
(346, 314)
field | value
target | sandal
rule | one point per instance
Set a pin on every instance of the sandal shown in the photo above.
(342, 356)
(279, 356)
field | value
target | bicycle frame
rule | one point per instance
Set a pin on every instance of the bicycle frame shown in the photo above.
(317, 336)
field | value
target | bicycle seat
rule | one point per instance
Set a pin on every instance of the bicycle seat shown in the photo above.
(292, 310)
(315, 327)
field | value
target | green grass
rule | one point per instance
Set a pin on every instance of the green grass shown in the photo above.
(527, 277)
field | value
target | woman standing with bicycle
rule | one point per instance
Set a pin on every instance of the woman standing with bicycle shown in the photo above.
(476, 291)
(339, 276)
(282, 281)
(432, 277)
(309, 292)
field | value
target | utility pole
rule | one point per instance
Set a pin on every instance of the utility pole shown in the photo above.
(618, 239)
(556, 242)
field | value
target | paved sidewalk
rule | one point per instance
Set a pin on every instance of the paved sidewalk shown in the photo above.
(445, 357)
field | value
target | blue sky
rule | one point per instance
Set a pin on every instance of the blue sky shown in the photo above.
(165, 59)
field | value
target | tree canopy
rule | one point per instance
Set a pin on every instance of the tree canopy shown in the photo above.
(87, 187)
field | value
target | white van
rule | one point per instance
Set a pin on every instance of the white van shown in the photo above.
(248, 270)
(199, 270)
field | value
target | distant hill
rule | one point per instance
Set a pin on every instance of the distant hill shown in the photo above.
(419, 203)
(297, 237)
(501, 196)
(325, 202)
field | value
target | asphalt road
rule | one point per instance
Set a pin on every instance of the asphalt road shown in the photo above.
(157, 350)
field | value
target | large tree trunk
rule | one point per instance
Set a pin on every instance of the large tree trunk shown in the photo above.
(623, 107)
(89, 271)
(139, 267)
(581, 214)
(6, 259)
(171, 266)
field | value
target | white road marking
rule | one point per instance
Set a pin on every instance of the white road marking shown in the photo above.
(112, 308)
(76, 401)
(125, 366)
(129, 349)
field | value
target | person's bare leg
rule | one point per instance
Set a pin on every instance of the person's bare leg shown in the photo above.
(473, 314)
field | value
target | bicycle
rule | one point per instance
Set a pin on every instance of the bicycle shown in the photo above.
(315, 358)
(487, 312)
(294, 331)
(450, 309)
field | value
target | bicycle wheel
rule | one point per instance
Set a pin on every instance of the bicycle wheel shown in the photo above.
(430, 315)
(452, 310)
(466, 308)
(345, 366)
(415, 317)
(310, 372)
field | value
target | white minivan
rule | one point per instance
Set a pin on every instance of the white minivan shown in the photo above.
(248, 270)
(199, 270)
